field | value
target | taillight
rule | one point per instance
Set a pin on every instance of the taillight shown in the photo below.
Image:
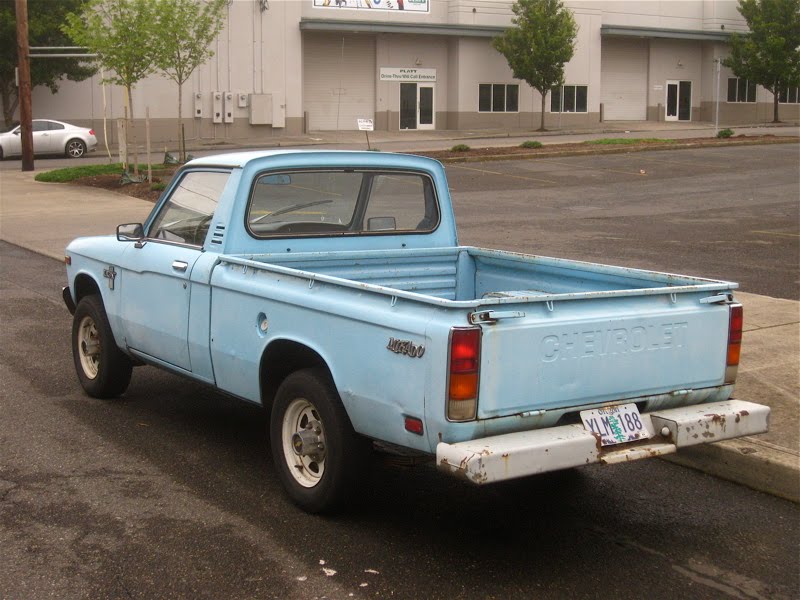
(734, 342)
(464, 366)
(91, 132)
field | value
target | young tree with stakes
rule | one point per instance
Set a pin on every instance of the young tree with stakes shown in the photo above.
(769, 54)
(539, 43)
(122, 33)
(187, 29)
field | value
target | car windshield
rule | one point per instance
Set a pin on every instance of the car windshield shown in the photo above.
(12, 127)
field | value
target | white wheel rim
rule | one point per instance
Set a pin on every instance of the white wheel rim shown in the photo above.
(306, 470)
(89, 347)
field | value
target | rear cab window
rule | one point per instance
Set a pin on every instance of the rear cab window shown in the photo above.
(341, 202)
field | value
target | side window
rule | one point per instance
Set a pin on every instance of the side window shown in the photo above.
(38, 126)
(185, 216)
(53, 126)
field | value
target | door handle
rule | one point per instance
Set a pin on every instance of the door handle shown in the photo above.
(179, 265)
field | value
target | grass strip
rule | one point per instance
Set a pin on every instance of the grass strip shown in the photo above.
(72, 173)
(628, 141)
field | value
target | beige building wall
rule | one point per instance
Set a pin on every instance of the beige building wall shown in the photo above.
(261, 61)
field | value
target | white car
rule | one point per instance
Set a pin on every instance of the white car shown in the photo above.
(50, 137)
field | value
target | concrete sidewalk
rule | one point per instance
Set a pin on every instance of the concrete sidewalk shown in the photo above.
(45, 217)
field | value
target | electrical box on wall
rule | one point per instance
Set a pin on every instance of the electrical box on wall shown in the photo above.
(260, 109)
(198, 105)
(242, 100)
(227, 104)
(278, 109)
(216, 105)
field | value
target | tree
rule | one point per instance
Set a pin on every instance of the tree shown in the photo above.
(44, 29)
(769, 54)
(186, 29)
(122, 34)
(539, 43)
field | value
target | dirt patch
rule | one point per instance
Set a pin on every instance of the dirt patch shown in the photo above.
(146, 191)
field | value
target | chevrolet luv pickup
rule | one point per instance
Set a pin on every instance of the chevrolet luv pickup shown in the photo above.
(330, 288)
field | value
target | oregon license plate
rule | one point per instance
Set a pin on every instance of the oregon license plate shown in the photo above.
(615, 424)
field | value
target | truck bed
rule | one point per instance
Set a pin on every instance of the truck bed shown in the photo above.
(468, 277)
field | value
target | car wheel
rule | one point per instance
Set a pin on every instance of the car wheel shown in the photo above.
(75, 148)
(318, 455)
(103, 370)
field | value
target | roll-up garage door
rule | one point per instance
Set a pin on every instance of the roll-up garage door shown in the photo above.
(623, 66)
(338, 80)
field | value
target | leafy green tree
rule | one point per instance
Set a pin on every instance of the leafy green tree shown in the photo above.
(123, 35)
(769, 54)
(539, 43)
(186, 30)
(45, 18)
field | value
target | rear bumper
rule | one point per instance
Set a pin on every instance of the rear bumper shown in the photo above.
(514, 455)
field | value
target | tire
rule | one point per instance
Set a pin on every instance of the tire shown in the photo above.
(103, 370)
(75, 148)
(316, 481)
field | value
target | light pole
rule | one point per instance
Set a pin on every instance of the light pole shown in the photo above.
(716, 102)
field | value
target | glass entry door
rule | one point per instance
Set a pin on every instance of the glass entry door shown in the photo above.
(679, 101)
(416, 106)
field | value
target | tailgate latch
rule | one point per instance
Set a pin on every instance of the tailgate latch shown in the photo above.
(718, 299)
(490, 317)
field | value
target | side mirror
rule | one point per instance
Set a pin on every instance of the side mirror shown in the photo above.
(130, 232)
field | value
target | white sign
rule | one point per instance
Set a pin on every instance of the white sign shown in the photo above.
(409, 74)
(366, 125)
(408, 5)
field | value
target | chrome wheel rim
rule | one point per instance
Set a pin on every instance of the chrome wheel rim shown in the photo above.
(303, 442)
(75, 149)
(89, 347)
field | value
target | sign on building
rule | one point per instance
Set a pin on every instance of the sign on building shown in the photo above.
(409, 74)
(410, 5)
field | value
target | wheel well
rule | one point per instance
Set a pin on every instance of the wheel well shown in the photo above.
(85, 286)
(280, 359)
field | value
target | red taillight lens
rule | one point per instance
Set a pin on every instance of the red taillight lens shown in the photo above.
(462, 396)
(735, 326)
(91, 132)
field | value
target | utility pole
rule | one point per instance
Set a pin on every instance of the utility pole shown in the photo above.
(24, 90)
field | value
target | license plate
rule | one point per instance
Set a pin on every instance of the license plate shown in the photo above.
(615, 424)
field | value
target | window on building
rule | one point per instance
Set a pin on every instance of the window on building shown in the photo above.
(569, 98)
(741, 90)
(789, 95)
(498, 97)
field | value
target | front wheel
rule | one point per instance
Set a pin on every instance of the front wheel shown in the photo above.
(75, 148)
(318, 455)
(102, 368)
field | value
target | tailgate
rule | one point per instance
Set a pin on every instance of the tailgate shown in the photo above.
(556, 355)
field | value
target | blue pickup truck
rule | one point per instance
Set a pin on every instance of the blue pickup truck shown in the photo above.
(330, 288)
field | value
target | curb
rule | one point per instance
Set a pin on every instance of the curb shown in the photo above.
(747, 461)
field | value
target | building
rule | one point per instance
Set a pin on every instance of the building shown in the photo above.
(287, 67)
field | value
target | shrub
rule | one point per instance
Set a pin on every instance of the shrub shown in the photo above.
(460, 148)
(158, 186)
(531, 144)
(725, 133)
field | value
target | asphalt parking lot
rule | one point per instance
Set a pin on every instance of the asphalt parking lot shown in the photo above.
(729, 213)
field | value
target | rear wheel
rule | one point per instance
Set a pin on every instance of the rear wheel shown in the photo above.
(102, 368)
(75, 148)
(318, 455)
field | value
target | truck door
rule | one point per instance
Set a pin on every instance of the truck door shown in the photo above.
(155, 284)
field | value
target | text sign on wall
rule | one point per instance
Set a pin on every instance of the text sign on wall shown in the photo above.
(393, 74)
(410, 5)
(366, 124)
